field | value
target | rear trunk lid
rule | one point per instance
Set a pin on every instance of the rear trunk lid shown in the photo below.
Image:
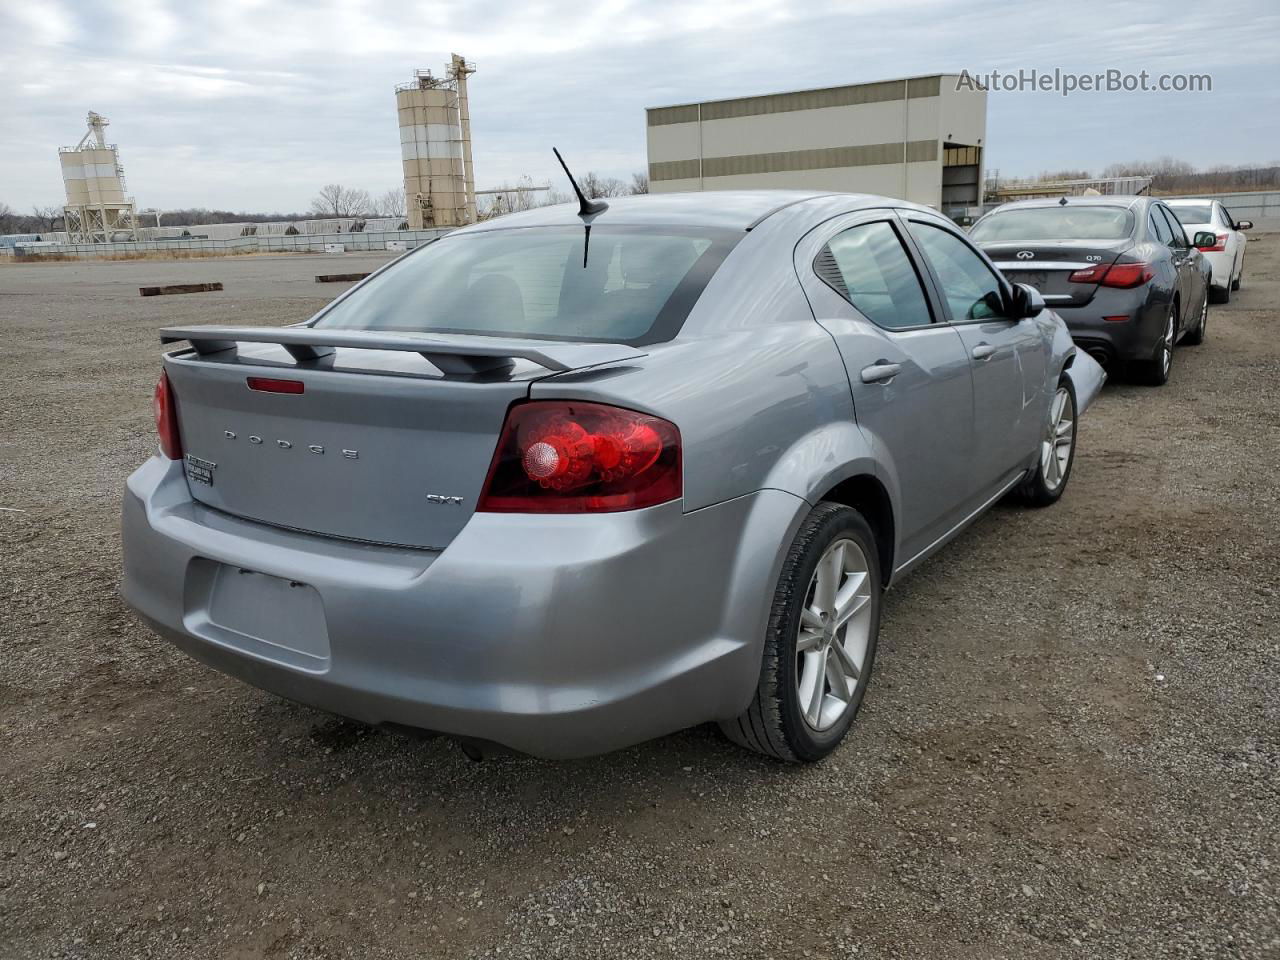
(381, 444)
(1047, 266)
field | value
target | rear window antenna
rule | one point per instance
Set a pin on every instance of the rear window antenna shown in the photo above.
(586, 208)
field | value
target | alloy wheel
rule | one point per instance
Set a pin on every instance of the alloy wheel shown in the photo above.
(1204, 313)
(1055, 449)
(835, 631)
(1166, 347)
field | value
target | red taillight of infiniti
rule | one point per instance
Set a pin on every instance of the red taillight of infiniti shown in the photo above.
(1123, 275)
(1219, 245)
(565, 456)
(167, 419)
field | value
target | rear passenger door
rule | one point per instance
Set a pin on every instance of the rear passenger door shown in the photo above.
(908, 371)
(1184, 262)
(1009, 357)
(1193, 277)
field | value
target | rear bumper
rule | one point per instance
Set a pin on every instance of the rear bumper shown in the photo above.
(554, 636)
(1134, 338)
(1223, 267)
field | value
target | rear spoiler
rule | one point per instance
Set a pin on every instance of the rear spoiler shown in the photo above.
(452, 353)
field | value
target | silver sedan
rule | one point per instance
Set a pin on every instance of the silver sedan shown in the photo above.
(574, 478)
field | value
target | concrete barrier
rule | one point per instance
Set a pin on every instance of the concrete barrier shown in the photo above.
(179, 288)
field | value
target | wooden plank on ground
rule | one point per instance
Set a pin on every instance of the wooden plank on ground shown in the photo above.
(339, 277)
(179, 288)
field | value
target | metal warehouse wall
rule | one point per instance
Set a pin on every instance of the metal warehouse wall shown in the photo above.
(884, 137)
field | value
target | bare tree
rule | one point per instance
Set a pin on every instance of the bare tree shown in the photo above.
(389, 203)
(1065, 175)
(335, 200)
(594, 185)
(8, 219)
(514, 197)
(48, 217)
(640, 181)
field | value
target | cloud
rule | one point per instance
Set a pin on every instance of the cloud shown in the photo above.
(253, 104)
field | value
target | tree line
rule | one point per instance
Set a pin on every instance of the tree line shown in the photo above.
(1170, 175)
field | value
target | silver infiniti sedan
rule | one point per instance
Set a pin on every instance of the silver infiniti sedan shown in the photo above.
(567, 480)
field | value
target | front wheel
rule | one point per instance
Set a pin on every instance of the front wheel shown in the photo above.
(1057, 450)
(821, 640)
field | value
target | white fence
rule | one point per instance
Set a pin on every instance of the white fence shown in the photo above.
(359, 241)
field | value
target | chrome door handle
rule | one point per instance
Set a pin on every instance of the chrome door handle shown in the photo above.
(880, 372)
(984, 351)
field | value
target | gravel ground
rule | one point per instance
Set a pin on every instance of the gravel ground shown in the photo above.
(1071, 747)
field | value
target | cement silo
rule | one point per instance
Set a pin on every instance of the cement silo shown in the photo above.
(435, 147)
(97, 210)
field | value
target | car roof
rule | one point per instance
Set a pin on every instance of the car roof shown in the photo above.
(1106, 200)
(725, 209)
(1188, 201)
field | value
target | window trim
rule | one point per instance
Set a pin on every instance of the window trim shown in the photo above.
(1176, 226)
(1002, 282)
(889, 216)
(1153, 222)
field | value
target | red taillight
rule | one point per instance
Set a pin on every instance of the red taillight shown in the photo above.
(1123, 275)
(1219, 245)
(1092, 274)
(563, 456)
(271, 385)
(167, 419)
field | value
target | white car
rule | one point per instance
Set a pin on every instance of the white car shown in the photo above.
(1226, 256)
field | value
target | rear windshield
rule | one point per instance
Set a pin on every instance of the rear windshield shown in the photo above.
(627, 285)
(1055, 223)
(1193, 214)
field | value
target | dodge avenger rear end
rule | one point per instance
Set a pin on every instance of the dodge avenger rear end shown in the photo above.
(572, 479)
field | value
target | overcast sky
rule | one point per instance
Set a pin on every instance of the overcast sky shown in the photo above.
(254, 104)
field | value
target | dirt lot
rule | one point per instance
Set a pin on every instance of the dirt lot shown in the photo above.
(1071, 748)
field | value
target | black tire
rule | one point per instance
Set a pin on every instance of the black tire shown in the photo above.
(1221, 294)
(1195, 336)
(774, 723)
(1155, 372)
(1235, 284)
(1039, 489)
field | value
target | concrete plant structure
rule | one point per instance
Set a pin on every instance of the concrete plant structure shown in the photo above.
(918, 138)
(97, 209)
(435, 147)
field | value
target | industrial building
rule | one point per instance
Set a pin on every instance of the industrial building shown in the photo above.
(918, 138)
(97, 210)
(435, 147)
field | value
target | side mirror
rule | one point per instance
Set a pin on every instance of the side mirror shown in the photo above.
(1244, 224)
(1027, 301)
(1203, 239)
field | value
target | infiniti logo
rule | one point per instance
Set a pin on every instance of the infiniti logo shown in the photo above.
(1024, 254)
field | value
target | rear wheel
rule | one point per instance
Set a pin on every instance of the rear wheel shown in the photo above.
(1222, 294)
(1057, 450)
(1196, 335)
(1156, 370)
(821, 640)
